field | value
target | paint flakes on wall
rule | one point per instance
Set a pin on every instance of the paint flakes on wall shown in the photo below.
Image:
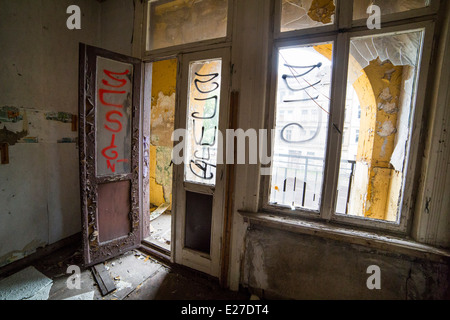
(11, 137)
(10, 114)
(386, 94)
(24, 125)
(388, 107)
(386, 129)
(162, 119)
(59, 116)
(388, 102)
(19, 254)
(164, 171)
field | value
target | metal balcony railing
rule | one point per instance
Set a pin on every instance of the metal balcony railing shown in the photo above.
(297, 181)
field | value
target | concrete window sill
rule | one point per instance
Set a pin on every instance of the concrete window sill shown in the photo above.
(339, 233)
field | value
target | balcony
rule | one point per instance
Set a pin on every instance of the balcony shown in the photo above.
(297, 182)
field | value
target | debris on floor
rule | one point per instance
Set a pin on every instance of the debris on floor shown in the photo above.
(83, 296)
(103, 279)
(27, 284)
(160, 231)
(135, 275)
(159, 211)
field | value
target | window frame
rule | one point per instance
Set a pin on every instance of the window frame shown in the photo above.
(271, 121)
(343, 30)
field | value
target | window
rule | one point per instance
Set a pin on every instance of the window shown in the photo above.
(303, 71)
(362, 113)
(382, 70)
(178, 22)
(203, 121)
(303, 14)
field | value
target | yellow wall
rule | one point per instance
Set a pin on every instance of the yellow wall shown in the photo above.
(378, 88)
(164, 75)
(386, 83)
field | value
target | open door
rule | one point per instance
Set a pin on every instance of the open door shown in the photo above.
(201, 178)
(109, 108)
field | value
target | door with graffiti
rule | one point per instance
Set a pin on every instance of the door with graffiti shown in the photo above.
(200, 176)
(109, 108)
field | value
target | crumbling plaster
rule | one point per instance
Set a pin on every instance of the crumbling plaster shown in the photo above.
(285, 265)
(164, 75)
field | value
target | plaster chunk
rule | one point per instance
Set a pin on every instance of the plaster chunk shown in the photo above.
(386, 129)
(388, 75)
(388, 107)
(386, 94)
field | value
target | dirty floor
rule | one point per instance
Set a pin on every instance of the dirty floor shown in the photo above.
(136, 276)
(160, 231)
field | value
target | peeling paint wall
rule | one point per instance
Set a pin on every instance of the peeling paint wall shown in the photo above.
(284, 265)
(164, 76)
(39, 188)
(386, 83)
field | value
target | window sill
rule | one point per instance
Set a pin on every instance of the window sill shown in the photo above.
(346, 234)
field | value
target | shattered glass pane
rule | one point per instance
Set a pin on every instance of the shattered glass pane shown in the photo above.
(304, 14)
(386, 6)
(185, 21)
(382, 77)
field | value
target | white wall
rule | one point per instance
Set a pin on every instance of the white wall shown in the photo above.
(39, 188)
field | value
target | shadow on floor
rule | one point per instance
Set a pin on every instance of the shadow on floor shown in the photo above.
(136, 276)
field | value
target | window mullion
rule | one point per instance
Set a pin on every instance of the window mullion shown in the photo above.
(336, 126)
(345, 13)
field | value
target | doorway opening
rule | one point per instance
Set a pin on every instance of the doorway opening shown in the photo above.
(160, 168)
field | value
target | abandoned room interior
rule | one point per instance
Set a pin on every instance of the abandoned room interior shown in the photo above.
(225, 149)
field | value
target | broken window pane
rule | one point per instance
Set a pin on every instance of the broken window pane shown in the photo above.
(302, 112)
(184, 21)
(386, 6)
(203, 121)
(304, 14)
(380, 93)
